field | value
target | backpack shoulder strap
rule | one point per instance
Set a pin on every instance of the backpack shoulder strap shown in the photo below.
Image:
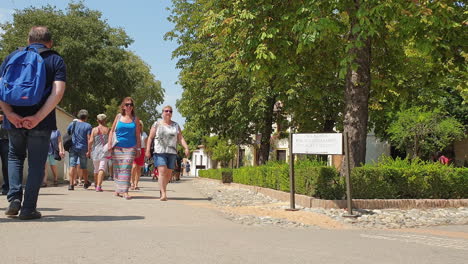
(73, 128)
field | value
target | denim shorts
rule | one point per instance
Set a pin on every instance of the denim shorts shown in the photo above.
(51, 160)
(164, 159)
(78, 157)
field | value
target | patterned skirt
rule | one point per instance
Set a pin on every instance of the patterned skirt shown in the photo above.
(122, 161)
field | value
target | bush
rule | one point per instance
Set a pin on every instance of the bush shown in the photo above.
(215, 174)
(409, 179)
(388, 179)
(311, 178)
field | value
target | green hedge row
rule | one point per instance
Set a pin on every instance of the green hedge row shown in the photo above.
(312, 179)
(405, 179)
(388, 179)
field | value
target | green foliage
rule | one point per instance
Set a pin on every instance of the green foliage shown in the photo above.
(220, 150)
(388, 179)
(409, 179)
(215, 174)
(317, 181)
(237, 56)
(100, 69)
(423, 133)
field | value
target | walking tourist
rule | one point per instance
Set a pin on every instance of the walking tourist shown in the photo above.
(139, 162)
(56, 153)
(29, 127)
(165, 134)
(80, 131)
(125, 142)
(98, 149)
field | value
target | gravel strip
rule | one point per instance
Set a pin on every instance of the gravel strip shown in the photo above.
(228, 197)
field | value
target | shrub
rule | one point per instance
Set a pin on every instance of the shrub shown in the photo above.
(409, 179)
(311, 178)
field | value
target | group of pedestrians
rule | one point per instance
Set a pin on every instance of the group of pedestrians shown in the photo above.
(30, 131)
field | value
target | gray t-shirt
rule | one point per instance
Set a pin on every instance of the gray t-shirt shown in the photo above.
(165, 140)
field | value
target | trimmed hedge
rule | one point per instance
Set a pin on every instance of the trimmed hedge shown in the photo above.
(389, 179)
(405, 179)
(311, 178)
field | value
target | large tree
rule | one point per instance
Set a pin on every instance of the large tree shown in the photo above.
(331, 61)
(100, 69)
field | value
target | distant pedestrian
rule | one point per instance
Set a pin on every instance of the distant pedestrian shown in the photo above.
(56, 151)
(444, 160)
(125, 144)
(97, 147)
(29, 127)
(165, 134)
(4, 155)
(139, 162)
(80, 131)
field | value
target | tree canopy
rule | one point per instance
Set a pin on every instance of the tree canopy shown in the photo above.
(347, 64)
(101, 70)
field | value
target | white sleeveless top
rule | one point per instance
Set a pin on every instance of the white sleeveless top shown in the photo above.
(165, 140)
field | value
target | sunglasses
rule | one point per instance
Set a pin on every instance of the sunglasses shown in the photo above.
(168, 111)
(130, 104)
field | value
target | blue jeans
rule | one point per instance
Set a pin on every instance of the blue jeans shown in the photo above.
(4, 156)
(36, 144)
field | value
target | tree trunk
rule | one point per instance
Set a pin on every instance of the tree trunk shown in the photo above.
(266, 131)
(357, 88)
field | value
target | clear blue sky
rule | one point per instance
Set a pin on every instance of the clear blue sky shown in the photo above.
(145, 21)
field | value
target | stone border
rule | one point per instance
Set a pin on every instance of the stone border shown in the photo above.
(307, 201)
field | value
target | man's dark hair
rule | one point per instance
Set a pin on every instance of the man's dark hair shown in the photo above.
(39, 34)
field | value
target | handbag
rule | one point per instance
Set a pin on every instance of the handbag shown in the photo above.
(57, 155)
(68, 139)
(114, 139)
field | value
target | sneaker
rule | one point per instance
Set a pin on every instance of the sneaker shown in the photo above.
(71, 187)
(30, 215)
(14, 207)
(98, 189)
(86, 185)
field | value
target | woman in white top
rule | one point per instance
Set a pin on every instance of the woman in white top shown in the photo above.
(139, 162)
(166, 134)
(97, 147)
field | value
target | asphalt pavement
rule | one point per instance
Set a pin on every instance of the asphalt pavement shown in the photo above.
(84, 226)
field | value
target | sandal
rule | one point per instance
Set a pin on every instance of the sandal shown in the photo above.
(127, 197)
(55, 183)
(136, 188)
(117, 194)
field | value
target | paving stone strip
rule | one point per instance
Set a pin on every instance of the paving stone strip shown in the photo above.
(231, 199)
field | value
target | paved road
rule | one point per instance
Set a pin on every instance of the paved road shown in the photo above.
(83, 226)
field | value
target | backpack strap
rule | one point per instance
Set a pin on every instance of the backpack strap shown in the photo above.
(72, 129)
(41, 51)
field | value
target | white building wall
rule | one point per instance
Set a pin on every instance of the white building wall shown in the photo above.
(375, 148)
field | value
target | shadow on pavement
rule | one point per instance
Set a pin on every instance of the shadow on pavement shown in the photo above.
(189, 199)
(136, 197)
(85, 218)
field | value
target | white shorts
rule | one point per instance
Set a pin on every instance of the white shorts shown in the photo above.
(100, 165)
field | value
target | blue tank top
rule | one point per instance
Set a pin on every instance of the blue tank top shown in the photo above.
(125, 133)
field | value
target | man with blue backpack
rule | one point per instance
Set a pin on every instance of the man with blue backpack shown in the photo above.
(32, 83)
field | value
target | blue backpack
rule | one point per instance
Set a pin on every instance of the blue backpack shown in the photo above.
(23, 80)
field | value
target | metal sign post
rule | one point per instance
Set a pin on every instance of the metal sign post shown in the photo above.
(348, 178)
(292, 185)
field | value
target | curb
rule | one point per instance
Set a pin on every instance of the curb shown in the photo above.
(307, 201)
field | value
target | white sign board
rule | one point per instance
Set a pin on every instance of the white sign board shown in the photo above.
(317, 143)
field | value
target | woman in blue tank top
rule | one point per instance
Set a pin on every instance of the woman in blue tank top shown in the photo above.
(125, 142)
